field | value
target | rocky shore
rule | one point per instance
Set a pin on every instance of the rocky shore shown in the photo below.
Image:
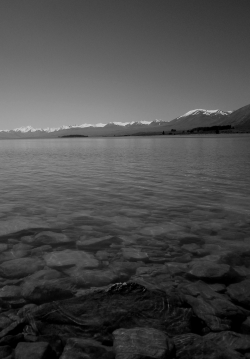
(108, 297)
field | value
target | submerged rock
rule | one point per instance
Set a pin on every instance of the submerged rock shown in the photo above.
(193, 346)
(70, 258)
(211, 271)
(39, 350)
(13, 254)
(218, 313)
(10, 292)
(231, 340)
(40, 250)
(138, 343)
(78, 348)
(95, 243)
(122, 305)
(43, 291)
(21, 267)
(3, 247)
(5, 351)
(240, 293)
(92, 278)
(134, 254)
(48, 237)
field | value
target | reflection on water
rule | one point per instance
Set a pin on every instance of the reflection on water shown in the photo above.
(98, 210)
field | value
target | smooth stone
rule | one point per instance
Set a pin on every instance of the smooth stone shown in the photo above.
(4, 322)
(125, 268)
(157, 259)
(5, 351)
(27, 239)
(152, 270)
(245, 326)
(240, 293)
(193, 346)
(237, 258)
(213, 247)
(191, 247)
(218, 313)
(140, 343)
(185, 258)
(25, 309)
(177, 268)
(198, 288)
(3, 247)
(218, 287)
(212, 271)
(193, 239)
(42, 291)
(94, 243)
(78, 348)
(133, 254)
(19, 224)
(19, 268)
(92, 278)
(69, 258)
(125, 222)
(160, 281)
(46, 274)
(48, 237)
(22, 246)
(103, 255)
(121, 305)
(231, 340)
(11, 254)
(215, 258)
(11, 340)
(10, 292)
(40, 250)
(243, 272)
(38, 350)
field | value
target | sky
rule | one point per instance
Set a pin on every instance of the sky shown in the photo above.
(66, 62)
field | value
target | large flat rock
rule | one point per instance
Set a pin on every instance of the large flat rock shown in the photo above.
(138, 343)
(21, 267)
(19, 224)
(49, 237)
(39, 350)
(122, 305)
(42, 291)
(240, 293)
(134, 254)
(70, 258)
(92, 277)
(193, 346)
(78, 348)
(210, 271)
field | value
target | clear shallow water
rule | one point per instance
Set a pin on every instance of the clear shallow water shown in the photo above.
(137, 192)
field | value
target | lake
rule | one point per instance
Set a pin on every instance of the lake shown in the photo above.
(98, 234)
(138, 200)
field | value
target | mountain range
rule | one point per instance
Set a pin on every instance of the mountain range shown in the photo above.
(239, 119)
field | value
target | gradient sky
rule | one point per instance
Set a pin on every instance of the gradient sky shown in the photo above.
(65, 62)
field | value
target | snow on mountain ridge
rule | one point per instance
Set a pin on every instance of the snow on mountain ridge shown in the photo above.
(206, 112)
(84, 125)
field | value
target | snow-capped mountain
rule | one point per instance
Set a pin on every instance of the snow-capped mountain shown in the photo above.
(201, 118)
(191, 119)
(206, 112)
(85, 125)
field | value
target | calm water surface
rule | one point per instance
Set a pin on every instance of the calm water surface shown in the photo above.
(139, 192)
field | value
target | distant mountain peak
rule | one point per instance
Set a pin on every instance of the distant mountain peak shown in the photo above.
(26, 129)
(200, 111)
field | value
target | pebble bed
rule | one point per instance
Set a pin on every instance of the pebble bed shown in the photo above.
(198, 262)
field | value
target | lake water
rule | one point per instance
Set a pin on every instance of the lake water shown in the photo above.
(139, 200)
